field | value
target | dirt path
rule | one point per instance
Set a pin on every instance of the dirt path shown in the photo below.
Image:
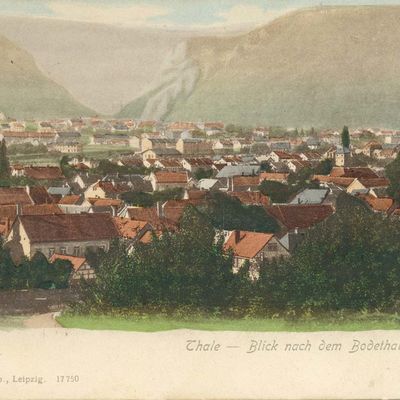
(41, 321)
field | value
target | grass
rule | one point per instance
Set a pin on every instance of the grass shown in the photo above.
(11, 322)
(354, 322)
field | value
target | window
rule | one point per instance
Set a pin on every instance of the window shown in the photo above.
(63, 250)
(76, 250)
(51, 251)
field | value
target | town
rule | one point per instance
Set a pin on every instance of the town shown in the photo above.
(70, 188)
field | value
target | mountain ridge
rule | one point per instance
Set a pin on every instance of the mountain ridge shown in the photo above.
(324, 66)
(26, 93)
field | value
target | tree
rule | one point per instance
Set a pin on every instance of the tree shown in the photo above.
(4, 162)
(278, 192)
(202, 173)
(346, 137)
(186, 268)
(227, 212)
(324, 167)
(67, 170)
(349, 261)
(392, 172)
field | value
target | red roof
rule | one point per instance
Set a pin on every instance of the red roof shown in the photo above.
(246, 180)
(68, 227)
(76, 262)
(171, 177)
(14, 195)
(247, 244)
(250, 198)
(300, 215)
(44, 173)
(356, 172)
(129, 228)
(273, 176)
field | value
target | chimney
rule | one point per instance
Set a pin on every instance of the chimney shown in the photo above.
(237, 236)
(19, 209)
(159, 209)
(28, 189)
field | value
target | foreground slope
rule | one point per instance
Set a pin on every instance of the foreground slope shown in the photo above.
(314, 67)
(26, 93)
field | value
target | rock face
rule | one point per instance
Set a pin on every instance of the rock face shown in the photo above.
(25, 92)
(323, 67)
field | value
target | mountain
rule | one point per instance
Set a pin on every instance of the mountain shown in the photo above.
(323, 67)
(102, 66)
(26, 93)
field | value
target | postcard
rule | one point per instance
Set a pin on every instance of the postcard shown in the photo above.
(199, 199)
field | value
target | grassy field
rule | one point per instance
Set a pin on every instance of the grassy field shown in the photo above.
(355, 322)
(91, 151)
(11, 322)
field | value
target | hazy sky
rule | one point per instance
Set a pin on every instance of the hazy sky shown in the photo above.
(180, 14)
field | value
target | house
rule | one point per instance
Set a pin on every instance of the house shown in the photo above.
(193, 146)
(330, 153)
(370, 147)
(354, 172)
(150, 143)
(132, 230)
(310, 196)
(162, 180)
(169, 164)
(8, 213)
(367, 185)
(274, 176)
(377, 204)
(67, 136)
(342, 156)
(80, 267)
(221, 145)
(172, 210)
(111, 139)
(295, 219)
(254, 198)
(281, 156)
(229, 171)
(209, 184)
(67, 147)
(313, 143)
(385, 154)
(297, 165)
(47, 173)
(254, 247)
(280, 145)
(195, 164)
(70, 234)
(312, 156)
(153, 154)
(14, 195)
(243, 183)
(106, 189)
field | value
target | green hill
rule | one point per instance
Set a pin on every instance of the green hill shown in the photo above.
(25, 92)
(322, 67)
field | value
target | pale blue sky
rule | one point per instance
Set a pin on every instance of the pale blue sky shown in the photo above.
(170, 13)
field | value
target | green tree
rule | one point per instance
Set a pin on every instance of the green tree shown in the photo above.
(229, 213)
(4, 161)
(392, 172)
(349, 261)
(202, 173)
(324, 167)
(278, 192)
(346, 137)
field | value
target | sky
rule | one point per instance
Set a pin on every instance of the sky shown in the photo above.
(175, 14)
